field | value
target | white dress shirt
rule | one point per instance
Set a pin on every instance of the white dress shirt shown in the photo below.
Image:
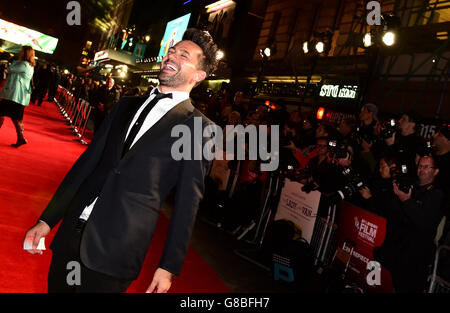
(156, 113)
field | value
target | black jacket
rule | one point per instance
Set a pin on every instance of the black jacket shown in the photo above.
(130, 191)
(410, 231)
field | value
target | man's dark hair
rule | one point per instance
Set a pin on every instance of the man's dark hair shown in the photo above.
(413, 117)
(205, 41)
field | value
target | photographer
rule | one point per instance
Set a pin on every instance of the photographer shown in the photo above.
(380, 192)
(319, 169)
(412, 221)
(365, 139)
(406, 143)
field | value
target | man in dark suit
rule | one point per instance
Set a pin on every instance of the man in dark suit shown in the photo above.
(110, 200)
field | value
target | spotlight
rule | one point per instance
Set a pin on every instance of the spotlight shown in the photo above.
(305, 47)
(320, 47)
(389, 38)
(147, 38)
(367, 40)
(122, 74)
(220, 55)
(267, 52)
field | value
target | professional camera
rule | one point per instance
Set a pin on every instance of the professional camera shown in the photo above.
(354, 183)
(404, 180)
(426, 149)
(361, 134)
(337, 149)
(388, 129)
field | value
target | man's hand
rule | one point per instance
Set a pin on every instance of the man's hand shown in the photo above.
(400, 194)
(41, 229)
(291, 146)
(365, 193)
(162, 280)
(366, 146)
(390, 141)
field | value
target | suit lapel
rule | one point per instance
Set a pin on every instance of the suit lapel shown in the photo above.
(177, 115)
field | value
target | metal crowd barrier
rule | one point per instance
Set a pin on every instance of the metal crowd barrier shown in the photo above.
(76, 113)
(323, 243)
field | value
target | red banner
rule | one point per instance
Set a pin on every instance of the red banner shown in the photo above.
(367, 231)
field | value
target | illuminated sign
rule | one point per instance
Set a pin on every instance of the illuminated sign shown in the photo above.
(337, 91)
(27, 37)
(174, 33)
(101, 55)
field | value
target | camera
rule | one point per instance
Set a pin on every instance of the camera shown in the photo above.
(388, 129)
(361, 134)
(403, 179)
(354, 183)
(336, 149)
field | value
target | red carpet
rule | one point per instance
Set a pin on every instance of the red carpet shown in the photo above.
(30, 176)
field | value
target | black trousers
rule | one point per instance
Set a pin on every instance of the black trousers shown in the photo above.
(68, 274)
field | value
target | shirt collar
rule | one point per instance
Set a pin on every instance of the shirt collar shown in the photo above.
(176, 95)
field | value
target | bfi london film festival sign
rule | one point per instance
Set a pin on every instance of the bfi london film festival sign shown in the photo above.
(367, 231)
(299, 207)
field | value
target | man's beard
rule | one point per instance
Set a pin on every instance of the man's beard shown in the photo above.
(175, 80)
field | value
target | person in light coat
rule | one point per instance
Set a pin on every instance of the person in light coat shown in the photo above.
(16, 92)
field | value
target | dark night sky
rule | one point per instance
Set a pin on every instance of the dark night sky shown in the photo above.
(49, 17)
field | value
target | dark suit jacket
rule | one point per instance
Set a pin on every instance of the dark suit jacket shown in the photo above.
(120, 227)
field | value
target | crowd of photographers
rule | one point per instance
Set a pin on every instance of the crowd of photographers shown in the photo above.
(385, 167)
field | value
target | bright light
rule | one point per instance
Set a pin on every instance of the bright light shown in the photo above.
(367, 40)
(66, 72)
(220, 55)
(147, 38)
(320, 113)
(305, 47)
(389, 38)
(320, 47)
(108, 66)
(122, 74)
(267, 52)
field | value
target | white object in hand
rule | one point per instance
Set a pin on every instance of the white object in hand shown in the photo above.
(28, 244)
